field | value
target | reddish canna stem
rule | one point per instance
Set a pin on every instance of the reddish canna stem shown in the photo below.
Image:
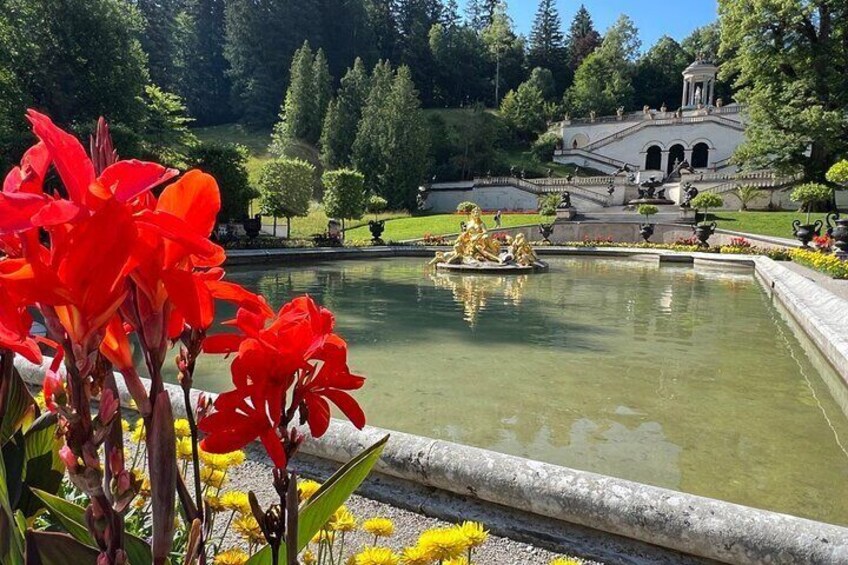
(6, 364)
(186, 379)
(79, 439)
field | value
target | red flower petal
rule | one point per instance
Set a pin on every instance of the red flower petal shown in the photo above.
(128, 179)
(67, 153)
(195, 199)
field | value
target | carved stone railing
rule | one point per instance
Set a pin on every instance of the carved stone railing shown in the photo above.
(548, 186)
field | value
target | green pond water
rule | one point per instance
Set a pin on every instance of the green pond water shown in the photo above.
(672, 376)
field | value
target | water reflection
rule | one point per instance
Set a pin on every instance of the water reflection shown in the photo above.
(473, 292)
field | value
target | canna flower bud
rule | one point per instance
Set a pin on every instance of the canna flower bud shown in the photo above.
(68, 458)
(109, 405)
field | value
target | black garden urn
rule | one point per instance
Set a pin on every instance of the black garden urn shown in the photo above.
(647, 230)
(704, 231)
(546, 231)
(377, 227)
(838, 232)
(806, 232)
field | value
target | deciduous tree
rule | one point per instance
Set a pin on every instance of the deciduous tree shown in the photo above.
(790, 58)
(285, 187)
(344, 194)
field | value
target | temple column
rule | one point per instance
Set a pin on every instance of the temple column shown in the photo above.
(687, 154)
(711, 99)
(683, 101)
(664, 162)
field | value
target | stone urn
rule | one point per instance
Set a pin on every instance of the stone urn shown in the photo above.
(252, 226)
(546, 231)
(647, 230)
(806, 232)
(839, 231)
(377, 227)
(704, 231)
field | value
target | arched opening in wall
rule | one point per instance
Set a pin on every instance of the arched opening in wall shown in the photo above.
(579, 140)
(675, 156)
(653, 158)
(700, 156)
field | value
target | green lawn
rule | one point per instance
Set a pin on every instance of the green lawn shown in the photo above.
(316, 222)
(437, 224)
(256, 141)
(778, 224)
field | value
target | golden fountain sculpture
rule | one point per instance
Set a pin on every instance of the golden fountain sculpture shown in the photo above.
(476, 250)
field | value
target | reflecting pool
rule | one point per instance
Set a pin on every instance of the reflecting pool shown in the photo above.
(672, 376)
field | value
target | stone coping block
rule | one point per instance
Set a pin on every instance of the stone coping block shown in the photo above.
(685, 523)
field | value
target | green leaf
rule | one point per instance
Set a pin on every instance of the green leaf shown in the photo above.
(72, 518)
(53, 548)
(19, 405)
(332, 494)
(11, 545)
(44, 469)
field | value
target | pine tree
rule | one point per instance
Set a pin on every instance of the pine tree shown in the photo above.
(262, 37)
(373, 128)
(450, 14)
(343, 116)
(406, 152)
(300, 107)
(382, 18)
(159, 39)
(323, 89)
(479, 13)
(205, 85)
(415, 19)
(583, 39)
(547, 42)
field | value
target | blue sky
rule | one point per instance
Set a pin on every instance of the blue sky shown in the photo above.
(654, 18)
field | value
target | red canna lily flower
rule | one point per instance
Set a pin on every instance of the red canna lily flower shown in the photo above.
(15, 324)
(329, 381)
(242, 416)
(297, 352)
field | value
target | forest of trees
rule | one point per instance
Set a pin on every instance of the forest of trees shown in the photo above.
(154, 67)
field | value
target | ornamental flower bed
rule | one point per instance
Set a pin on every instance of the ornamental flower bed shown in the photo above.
(822, 261)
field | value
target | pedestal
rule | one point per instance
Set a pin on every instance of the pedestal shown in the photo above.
(566, 214)
(687, 216)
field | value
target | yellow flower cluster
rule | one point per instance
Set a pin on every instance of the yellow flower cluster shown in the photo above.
(824, 262)
(222, 461)
(307, 489)
(182, 428)
(379, 527)
(138, 434)
(233, 556)
(248, 528)
(377, 556)
(236, 500)
(212, 477)
(342, 520)
(442, 544)
(565, 561)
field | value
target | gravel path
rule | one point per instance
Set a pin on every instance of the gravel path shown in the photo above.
(255, 475)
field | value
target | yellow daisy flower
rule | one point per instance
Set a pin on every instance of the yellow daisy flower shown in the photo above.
(565, 561)
(342, 520)
(443, 543)
(214, 503)
(306, 489)
(415, 556)
(138, 434)
(233, 556)
(184, 449)
(212, 477)
(182, 428)
(379, 527)
(248, 528)
(474, 533)
(237, 501)
(235, 458)
(308, 557)
(217, 461)
(457, 561)
(377, 556)
(324, 535)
